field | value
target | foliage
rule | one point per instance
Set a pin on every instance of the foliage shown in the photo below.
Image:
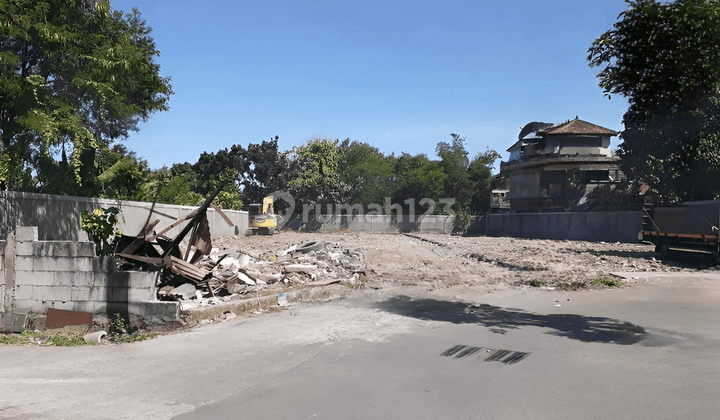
(608, 282)
(65, 337)
(75, 76)
(229, 197)
(318, 178)
(366, 172)
(100, 226)
(664, 57)
(417, 177)
(120, 331)
(267, 170)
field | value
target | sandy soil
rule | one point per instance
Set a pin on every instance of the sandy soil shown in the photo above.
(436, 261)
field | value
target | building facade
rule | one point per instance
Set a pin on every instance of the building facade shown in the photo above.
(556, 167)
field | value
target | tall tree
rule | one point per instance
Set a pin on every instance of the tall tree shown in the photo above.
(75, 76)
(318, 178)
(665, 58)
(268, 170)
(454, 162)
(366, 172)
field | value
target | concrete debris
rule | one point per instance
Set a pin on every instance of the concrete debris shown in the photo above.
(233, 274)
(184, 291)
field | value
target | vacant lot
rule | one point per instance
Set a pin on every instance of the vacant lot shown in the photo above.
(434, 261)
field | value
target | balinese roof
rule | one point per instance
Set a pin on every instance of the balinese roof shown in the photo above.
(577, 126)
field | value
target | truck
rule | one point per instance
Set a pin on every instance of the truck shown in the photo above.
(685, 229)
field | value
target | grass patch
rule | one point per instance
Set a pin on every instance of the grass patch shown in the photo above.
(538, 283)
(607, 282)
(60, 337)
(120, 331)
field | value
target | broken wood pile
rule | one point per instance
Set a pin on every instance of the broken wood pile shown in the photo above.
(200, 273)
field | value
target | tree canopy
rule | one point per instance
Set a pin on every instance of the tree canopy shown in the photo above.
(665, 58)
(75, 77)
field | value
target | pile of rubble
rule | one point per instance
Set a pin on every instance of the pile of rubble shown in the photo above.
(232, 274)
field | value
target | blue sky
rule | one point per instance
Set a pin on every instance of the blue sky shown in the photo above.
(399, 75)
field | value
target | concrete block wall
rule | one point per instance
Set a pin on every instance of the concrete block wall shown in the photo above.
(377, 223)
(68, 275)
(58, 217)
(622, 226)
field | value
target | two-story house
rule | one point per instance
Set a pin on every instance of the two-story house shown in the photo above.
(556, 167)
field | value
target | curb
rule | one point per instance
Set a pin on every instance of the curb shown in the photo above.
(310, 294)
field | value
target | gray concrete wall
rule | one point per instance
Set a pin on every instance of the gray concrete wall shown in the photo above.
(591, 226)
(375, 223)
(58, 217)
(68, 275)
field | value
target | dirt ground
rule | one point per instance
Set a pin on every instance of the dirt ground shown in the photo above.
(436, 261)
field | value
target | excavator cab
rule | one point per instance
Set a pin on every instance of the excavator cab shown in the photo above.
(262, 218)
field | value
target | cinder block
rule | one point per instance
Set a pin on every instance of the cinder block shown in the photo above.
(66, 305)
(83, 279)
(23, 292)
(142, 279)
(98, 294)
(85, 249)
(35, 278)
(157, 308)
(64, 278)
(80, 294)
(25, 249)
(55, 249)
(26, 233)
(136, 294)
(48, 293)
(99, 307)
(119, 279)
(104, 263)
(24, 263)
(100, 279)
(25, 305)
(54, 264)
(119, 294)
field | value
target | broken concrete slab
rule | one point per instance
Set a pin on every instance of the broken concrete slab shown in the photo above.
(185, 291)
(300, 268)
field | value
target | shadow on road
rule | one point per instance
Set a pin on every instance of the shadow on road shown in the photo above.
(501, 320)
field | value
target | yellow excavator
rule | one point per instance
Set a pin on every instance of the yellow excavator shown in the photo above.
(263, 220)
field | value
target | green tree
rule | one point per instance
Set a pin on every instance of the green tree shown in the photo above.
(417, 177)
(267, 170)
(318, 178)
(482, 180)
(75, 76)
(665, 58)
(366, 172)
(454, 163)
(178, 185)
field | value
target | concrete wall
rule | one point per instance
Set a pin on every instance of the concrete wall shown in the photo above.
(374, 223)
(58, 217)
(67, 275)
(591, 226)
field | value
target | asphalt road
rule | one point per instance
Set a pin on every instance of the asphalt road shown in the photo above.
(649, 351)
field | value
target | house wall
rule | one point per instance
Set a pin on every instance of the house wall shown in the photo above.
(591, 226)
(582, 145)
(68, 275)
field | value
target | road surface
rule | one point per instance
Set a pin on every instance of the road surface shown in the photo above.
(648, 351)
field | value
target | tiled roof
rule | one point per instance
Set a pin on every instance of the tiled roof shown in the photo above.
(577, 126)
